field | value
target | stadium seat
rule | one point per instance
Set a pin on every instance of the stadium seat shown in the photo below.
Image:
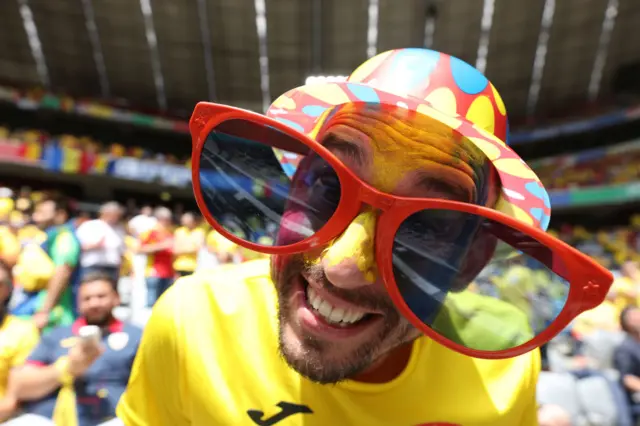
(599, 347)
(592, 400)
(603, 401)
(561, 389)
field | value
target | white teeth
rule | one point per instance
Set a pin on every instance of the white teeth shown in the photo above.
(331, 313)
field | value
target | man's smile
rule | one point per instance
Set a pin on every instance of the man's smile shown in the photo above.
(329, 317)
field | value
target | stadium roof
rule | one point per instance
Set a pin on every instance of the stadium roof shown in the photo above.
(544, 56)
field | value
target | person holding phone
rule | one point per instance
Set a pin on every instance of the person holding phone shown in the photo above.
(79, 371)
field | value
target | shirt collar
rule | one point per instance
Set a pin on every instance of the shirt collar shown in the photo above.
(114, 326)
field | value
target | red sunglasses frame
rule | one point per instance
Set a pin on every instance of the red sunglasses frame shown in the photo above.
(589, 282)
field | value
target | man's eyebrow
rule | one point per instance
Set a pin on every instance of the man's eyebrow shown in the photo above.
(442, 187)
(348, 148)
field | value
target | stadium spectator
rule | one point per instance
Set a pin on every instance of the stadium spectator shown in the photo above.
(68, 377)
(24, 231)
(188, 242)
(54, 304)
(604, 317)
(143, 222)
(17, 339)
(627, 355)
(220, 249)
(9, 245)
(157, 244)
(626, 287)
(102, 241)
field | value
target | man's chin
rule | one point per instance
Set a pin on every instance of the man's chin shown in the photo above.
(319, 350)
(319, 361)
(100, 321)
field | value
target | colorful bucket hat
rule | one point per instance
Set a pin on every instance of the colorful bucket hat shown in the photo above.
(441, 87)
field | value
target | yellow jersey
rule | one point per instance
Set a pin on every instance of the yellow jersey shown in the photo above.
(217, 242)
(209, 356)
(31, 233)
(126, 267)
(605, 316)
(626, 293)
(17, 340)
(193, 238)
(9, 245)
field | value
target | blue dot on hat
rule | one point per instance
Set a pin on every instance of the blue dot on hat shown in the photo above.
(415, 65)
(537, 212)
(291, 124)
(313, 110)
(544, 222)
(469, 80)
(537, 190)
(364, 93)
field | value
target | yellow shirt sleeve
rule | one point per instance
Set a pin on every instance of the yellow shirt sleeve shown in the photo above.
(530, 415)
(28, 340)
(155, 394)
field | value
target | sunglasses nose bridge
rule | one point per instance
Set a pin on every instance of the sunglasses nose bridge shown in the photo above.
(376, 199)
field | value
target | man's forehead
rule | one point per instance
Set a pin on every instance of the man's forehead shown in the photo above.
(395, 143)
(397, 130)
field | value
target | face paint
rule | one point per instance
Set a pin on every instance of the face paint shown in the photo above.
(395, 157)
(398, 147)
(395, 151)
(356, 244)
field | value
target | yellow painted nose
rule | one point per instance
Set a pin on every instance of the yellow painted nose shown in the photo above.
(350, 259)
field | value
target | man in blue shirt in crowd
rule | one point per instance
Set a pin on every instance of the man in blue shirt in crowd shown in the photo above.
(94, 372)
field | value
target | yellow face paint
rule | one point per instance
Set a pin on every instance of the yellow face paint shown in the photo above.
(396, 146)
(399, 145)
(356, 244)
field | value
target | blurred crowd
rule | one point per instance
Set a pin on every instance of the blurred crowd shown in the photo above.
(63, 271)
(591, 370)
(620, 164)
(82, 154)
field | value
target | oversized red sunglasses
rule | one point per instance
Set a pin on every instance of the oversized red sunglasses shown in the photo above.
(471, 278)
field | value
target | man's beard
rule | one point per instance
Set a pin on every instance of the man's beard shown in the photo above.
(314, 363)
(100, 321)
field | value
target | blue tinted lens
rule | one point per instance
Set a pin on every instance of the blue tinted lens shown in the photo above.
(247, 191)
(452, 276)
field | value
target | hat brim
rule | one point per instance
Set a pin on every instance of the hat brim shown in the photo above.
(522, 195)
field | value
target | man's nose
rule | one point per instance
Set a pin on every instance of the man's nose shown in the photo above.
(349, 262)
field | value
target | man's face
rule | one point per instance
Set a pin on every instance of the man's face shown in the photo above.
(629, 269)
(336, 319)
(188, 221)
(112, 216)
(633, 321)
(44, 214)
(164, 223)
(96, 300)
